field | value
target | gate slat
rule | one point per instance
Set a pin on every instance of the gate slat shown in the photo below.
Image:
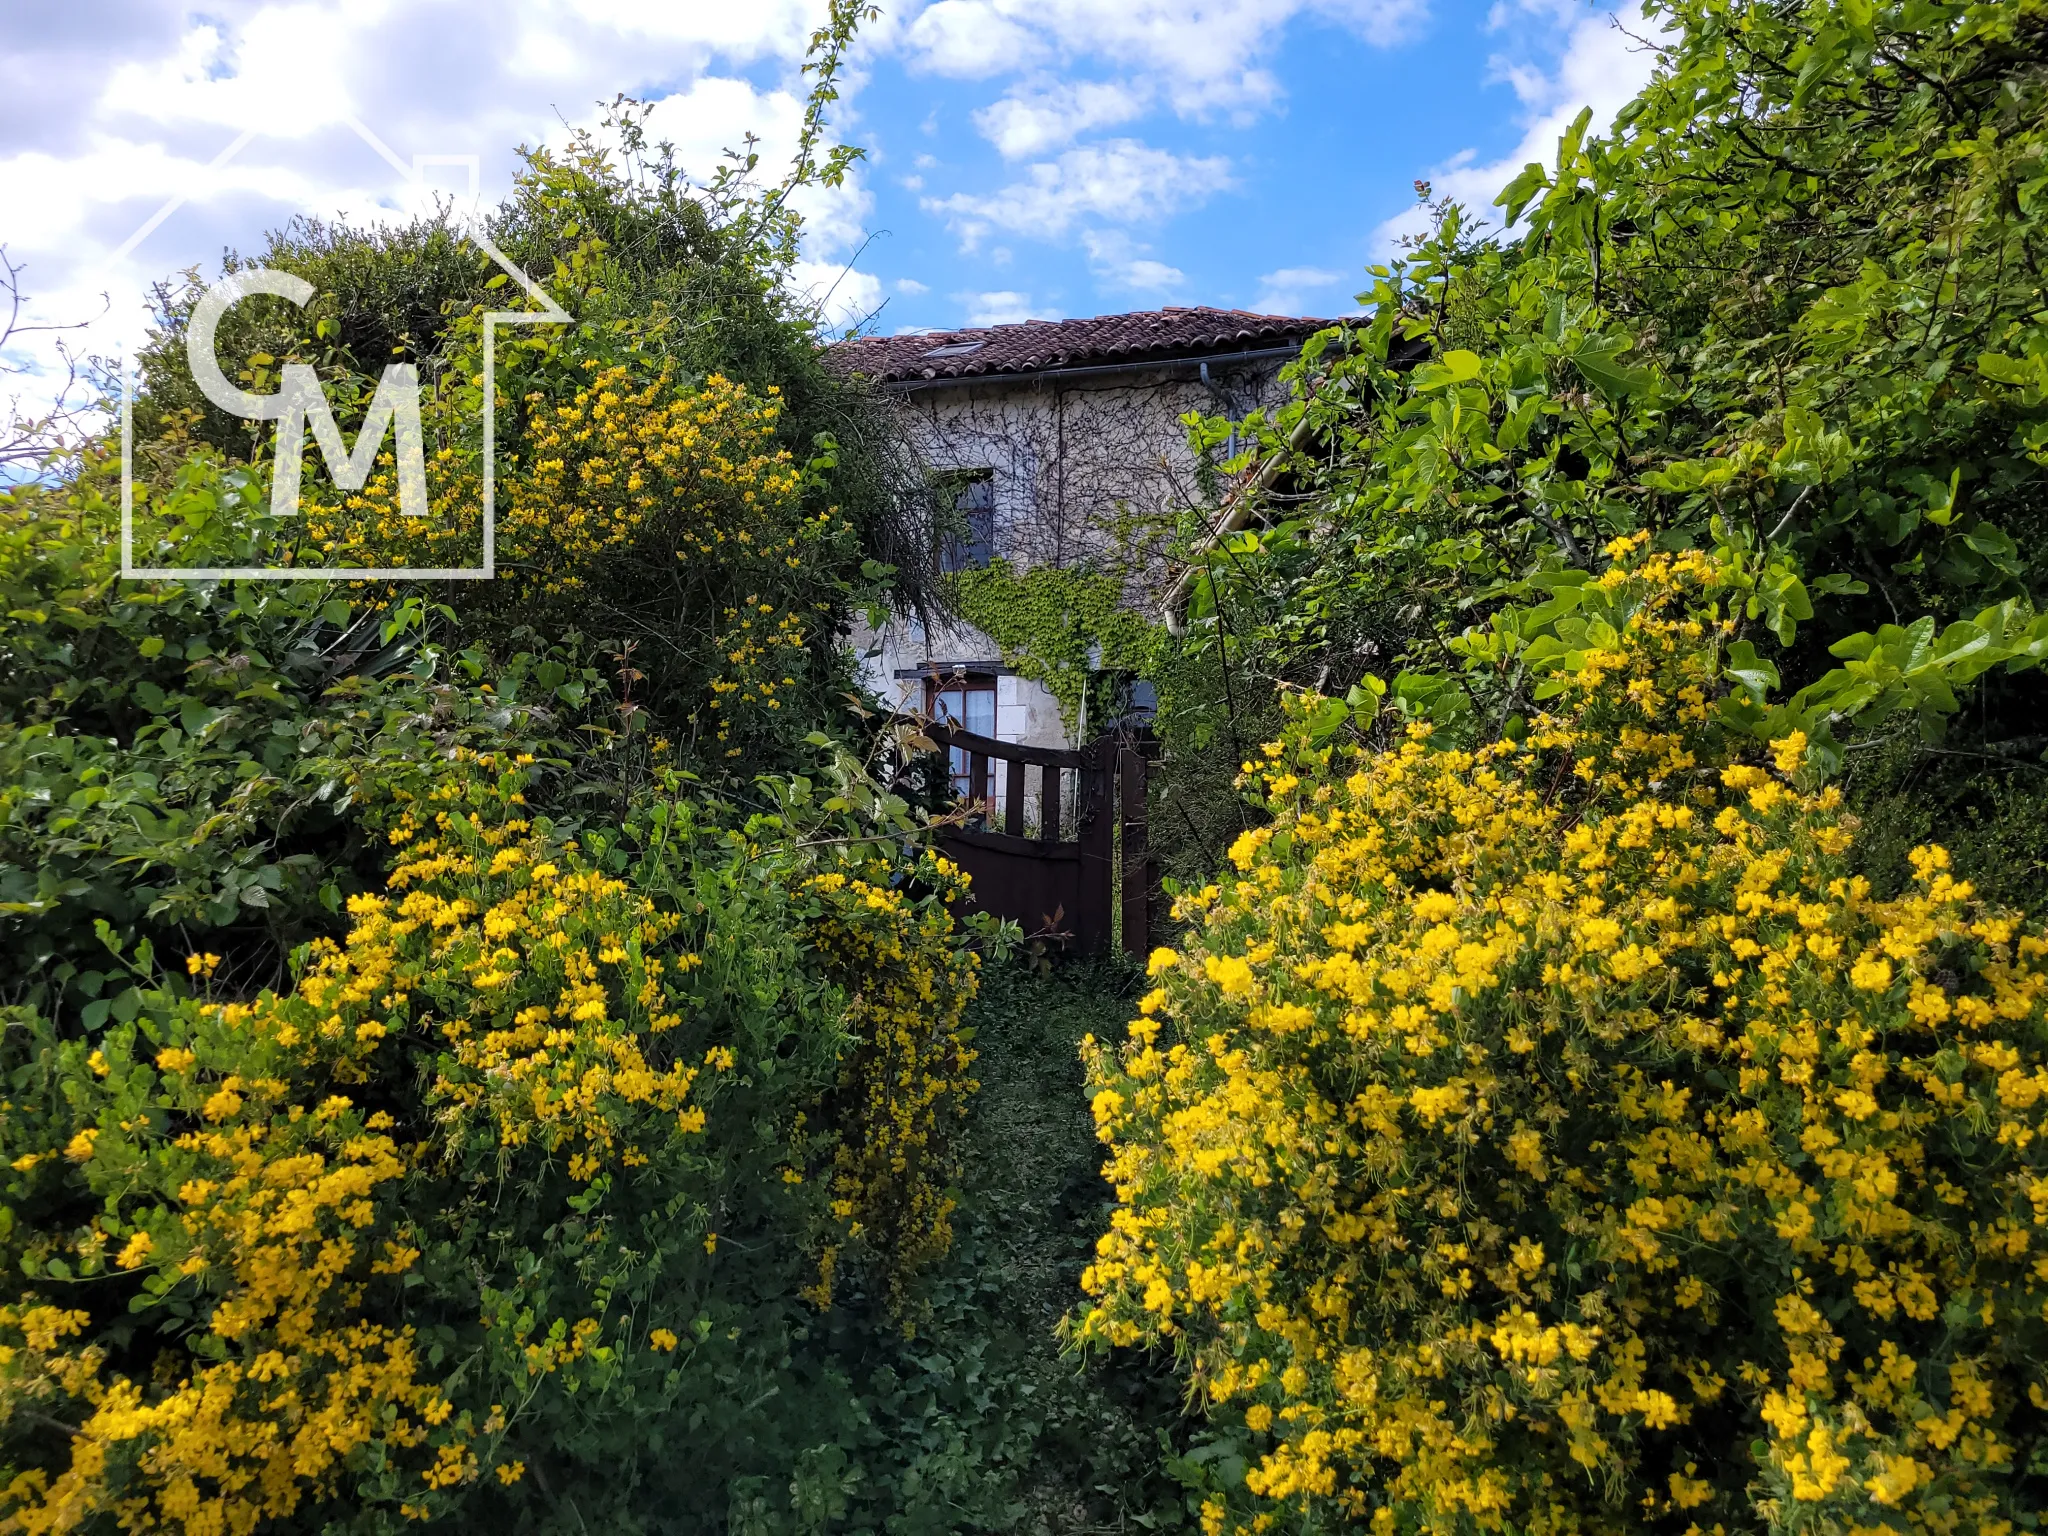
(1136, 866)
(1013, 807)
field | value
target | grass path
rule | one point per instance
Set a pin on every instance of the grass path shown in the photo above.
(978, 1422)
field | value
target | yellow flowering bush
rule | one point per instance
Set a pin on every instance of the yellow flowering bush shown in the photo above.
(527, 1173)
(625, 493)
(282, 1218)
(624, 452)
(1562, 1135)
(906, 1081)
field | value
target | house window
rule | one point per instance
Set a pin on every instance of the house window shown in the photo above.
(968, 513)
(969, 702)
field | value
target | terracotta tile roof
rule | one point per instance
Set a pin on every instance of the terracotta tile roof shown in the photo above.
(1037, 345)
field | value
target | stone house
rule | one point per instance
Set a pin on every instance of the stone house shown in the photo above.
(1052, 439)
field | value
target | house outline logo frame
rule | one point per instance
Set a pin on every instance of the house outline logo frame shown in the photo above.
(550, 313)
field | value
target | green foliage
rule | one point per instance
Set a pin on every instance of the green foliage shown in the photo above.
(678, 285)
(1784, 327)
(1058, 627)
(1989, 809)
(1074, 632)
(1789, 309)
(979, 1422)
(1568, 1135)
(529, 1179)
(793, 1419)
(599, 1166)
(183, 760)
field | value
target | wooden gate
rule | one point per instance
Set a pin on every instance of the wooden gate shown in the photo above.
(1070, 856)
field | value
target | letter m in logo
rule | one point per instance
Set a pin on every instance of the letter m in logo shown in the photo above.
(298, 403)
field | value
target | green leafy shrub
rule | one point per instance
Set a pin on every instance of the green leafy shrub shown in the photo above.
(1789, 305)
(685, 346)
(184, 760)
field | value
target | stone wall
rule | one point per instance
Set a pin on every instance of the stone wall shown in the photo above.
(1087, 471)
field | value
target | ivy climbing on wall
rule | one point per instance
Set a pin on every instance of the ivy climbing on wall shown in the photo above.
(1047, 621)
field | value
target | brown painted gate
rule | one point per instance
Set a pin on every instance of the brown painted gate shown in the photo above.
(1070, 858)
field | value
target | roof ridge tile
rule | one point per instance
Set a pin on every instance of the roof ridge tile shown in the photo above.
(1036, 345)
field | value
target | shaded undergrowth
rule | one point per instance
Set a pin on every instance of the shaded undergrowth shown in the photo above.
(977, 1422)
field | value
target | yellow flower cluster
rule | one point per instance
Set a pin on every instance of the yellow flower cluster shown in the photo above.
(282, 1214)
(634, 491)
(550, 990)
(906, 1080)
(621, 453)
(286, 1200)
(506, 1015)
(625, 459)
(762, 648)
(1563, 1137)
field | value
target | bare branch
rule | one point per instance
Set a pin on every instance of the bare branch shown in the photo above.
(37, 437)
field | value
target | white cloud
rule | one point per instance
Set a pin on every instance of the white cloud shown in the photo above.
(1078, 67)
(68, 216)
(1046, 114)
(1559, 13)
(1602, 67)
(714, 115)
(1286, 292)
(104, 115)
(233, 85)
(911, 285)
(1120, 262)
(1207, 53)
(841, 295)
(971, 39)
(761, 28)
(1121, 181)
(106, 109)
(1152, 276)
(835, 218)
(1003, 307)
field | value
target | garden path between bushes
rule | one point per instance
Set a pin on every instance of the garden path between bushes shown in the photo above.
(979, 1421)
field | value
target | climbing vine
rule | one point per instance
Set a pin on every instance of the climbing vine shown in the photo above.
(1049, 623)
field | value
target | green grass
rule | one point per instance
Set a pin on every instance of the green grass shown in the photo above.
(978, 1422)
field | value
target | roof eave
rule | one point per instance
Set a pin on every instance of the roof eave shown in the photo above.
(1135, 364)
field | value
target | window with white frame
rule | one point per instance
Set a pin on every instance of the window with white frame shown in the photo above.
(966, 700)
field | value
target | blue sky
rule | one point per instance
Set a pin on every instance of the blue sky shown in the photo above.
(1273, 198)
(1026, 157)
